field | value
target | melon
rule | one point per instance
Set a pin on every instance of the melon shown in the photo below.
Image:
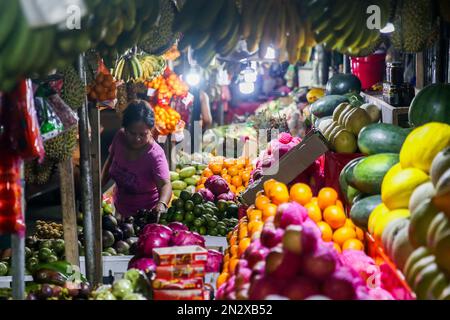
(345, 142)
(438, 225)
(380, 210)
(421, 219)
(401, 248)
(373, 111)
(431, 104)
(415, 256)
(442, 251)
(436, 287)
(424, 279)
(343, 83)
(417, 267)
(339, 109)
(357, 120)
(440, 164)
(384, 221)
(422, 193)
(390, 233)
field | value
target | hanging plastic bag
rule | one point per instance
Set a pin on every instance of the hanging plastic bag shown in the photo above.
(50, 124)
(21, 134)
(68, 117)
(104, 88)
(11, 218)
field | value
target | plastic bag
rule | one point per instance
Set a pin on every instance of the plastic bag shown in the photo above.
(21, 134)
(68, 117)
(214, 261)
(11, 218)
(50, 124)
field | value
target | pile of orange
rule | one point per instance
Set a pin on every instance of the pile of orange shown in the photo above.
(329, 214)
(166, 119)
(236, 172)
(103, 88)
(168, 85)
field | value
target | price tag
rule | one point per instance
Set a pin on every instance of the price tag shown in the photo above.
(188, 99)
(178, 136)
(41, 13)
(151, 92)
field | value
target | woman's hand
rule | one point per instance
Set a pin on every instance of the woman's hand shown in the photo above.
(160, 209)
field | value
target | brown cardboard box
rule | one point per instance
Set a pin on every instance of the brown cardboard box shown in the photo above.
(292, 164)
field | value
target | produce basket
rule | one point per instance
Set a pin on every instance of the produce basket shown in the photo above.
(375, 250)
(114, 266)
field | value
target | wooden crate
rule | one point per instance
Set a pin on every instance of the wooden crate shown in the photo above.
(390, 114)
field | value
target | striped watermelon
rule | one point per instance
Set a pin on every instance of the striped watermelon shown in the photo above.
(432, 103)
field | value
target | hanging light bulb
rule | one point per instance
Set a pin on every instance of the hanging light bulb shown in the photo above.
(270, 53)
(247, 87)
(388, 28)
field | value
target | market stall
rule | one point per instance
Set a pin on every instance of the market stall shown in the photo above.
(338, 191)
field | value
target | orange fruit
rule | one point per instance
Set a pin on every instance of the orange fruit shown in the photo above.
(240, 163)
(314, 200)
(200, 186)
(240, 189)
(229, 163)
(233, 240)
(353, 244)
(216, 168)
(327, 197)
(279, 193)
(349, 223)
(359, 234)
(232, 265)
(207, 173)
(254, 215)
(268, 186)
(314, 212)
(243, 244)
(261, 201)
(327, 232)
(243, 232)
(221, 279)
(234, 251)
(270, 210)
(334, 216)
(227, 178)
(224, 171)
(300, 193)
(343, 234)
(233, 171)
(337, 247)
(226, 257)
(236, 181)
(255, 226)
(340, 205)
(245, 176)
(232, 188)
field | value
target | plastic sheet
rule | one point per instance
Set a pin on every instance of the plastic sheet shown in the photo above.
(20, 134)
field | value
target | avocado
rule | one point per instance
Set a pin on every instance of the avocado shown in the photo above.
(189, 205)
(222, 205)
(233, 211)
(198, 210)
(197, 198)
(185, 195)
(179, 203)
(109, 223)
(108, 239)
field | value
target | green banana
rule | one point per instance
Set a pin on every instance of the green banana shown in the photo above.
(232, 43)
(46, 49)
(223, 25)
(186, 19)
(209, 14)
(9, 13)
(248, 8)
(261, 14)
(16, 46)
(129, 11)
(199, 39)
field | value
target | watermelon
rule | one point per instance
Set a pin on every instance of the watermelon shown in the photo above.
(381, 138)
(342, 84)
(324, 107)
(431, 104)
(362, 209)
(346, 177)
(368, 174)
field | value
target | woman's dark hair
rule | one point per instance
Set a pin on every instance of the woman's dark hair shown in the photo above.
(138, 110)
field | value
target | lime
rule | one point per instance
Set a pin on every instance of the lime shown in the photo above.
(221, 224)
(222, 205)
(212, 223)
(197, 198)
(207, 217)
(189, 205)
(32, 263)
(213, 232)
(52, 258)
(179, 216)
(198, 210)
(193, 229)
(185, 195)
(189, 217)
(171, 210)
(222, 231)
(208, 211)
(3, 269)
(202, 230)
(45, 244)
(179, 203)
(220, 215)
(59, 246)
(233, 211)
(44, 254)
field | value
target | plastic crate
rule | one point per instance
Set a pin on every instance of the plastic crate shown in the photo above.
(216, 243)
(114, 266)
(6, 282)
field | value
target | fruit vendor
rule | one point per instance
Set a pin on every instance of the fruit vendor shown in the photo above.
(137, 164)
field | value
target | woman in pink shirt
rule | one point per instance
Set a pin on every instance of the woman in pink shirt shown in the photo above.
(137, 164)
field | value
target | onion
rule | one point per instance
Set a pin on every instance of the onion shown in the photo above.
(290, 213)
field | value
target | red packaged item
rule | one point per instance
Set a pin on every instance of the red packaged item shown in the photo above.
(197, 294)
(11, 218)
(180, 255)
(178, 284)
(180, 272)
(21, 127)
